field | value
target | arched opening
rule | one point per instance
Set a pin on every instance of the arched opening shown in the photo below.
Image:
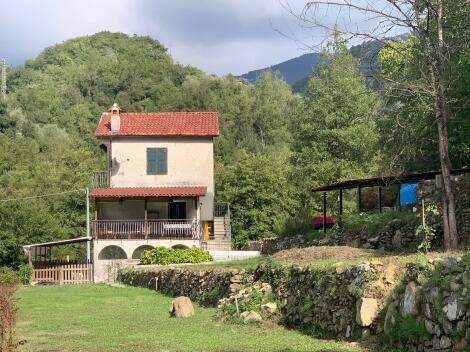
(112, 252)
(139, 250)
(180, 246)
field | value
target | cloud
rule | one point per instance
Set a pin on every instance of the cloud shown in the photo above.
(218, 36)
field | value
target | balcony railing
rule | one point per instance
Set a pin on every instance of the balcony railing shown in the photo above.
(141, 229)
(99, 179)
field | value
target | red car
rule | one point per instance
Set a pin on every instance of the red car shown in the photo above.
(317, 221)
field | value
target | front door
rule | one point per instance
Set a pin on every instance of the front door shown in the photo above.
(177, 210)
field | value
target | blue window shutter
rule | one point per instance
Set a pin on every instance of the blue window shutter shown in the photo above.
(151, 161)
(162, 161)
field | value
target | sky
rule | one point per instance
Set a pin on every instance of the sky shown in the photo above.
(218, 36)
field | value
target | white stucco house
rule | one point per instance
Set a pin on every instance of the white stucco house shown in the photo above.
(158, 185)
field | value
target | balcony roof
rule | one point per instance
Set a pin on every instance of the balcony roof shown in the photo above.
(170, 191)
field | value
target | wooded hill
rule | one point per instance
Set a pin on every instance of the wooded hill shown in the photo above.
(274, 144)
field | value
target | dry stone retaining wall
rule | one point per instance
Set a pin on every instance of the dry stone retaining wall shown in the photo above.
(398, 235)
(424, 308)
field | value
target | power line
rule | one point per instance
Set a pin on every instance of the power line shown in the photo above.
(42, 195)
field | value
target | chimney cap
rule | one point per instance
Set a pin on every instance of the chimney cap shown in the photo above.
(115, 109)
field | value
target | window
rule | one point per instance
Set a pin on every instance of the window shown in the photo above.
(157, 160)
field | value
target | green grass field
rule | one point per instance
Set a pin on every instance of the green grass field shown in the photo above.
(102, 318)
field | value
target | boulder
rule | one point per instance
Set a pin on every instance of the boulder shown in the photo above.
(454, 308)
(250, 316)
(270, 307)
(390, 273)
(411, 299)
(366, 311)
(181, 307)
(445, 342)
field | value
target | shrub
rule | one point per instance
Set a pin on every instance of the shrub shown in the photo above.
(8, 314)
(165, 256)
(7, 274)
(25, 272)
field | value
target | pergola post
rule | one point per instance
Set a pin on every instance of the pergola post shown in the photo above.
(324, 211)
(359, 199)
(340, 202)
(380, 199)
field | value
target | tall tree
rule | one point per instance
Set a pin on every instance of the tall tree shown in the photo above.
(428, 21)
(334, 137)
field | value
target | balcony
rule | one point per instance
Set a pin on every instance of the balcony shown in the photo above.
(145, 229)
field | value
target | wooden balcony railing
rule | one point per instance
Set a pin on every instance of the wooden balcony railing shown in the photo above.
(141, 229)
(99, 179)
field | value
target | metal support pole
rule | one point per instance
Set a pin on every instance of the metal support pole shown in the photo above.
(324, 211)
(87, 193)
(380, 199)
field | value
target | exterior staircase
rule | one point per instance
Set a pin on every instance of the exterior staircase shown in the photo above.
(221, 234)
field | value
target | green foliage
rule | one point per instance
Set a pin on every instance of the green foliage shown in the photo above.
(426, 231)
(407, 329)
(165, 256)
(23, 274)
(260, 194)
(334, 134)
(7, 275)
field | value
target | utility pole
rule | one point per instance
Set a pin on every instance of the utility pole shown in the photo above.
(4, 78)
(87, 195)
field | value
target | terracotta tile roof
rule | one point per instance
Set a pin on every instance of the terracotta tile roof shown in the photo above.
(161, 124)
(170, 191)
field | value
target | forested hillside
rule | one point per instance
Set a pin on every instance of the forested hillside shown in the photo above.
(274, 144)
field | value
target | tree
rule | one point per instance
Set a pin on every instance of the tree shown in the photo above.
(435, 32)
(334, 137)
(259, 192)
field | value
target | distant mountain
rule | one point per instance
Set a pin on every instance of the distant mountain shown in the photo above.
(296, 71)
(291, 70)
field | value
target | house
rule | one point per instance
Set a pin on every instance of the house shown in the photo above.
(158, 186)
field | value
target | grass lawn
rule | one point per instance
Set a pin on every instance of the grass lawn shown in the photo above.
(102, 318)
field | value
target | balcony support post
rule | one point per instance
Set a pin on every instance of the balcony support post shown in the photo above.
(145, 218)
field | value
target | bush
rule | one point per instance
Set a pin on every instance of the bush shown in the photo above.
(23, 274)
(7, 274)
(165, 256)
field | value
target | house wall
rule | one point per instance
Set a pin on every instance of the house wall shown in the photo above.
(190, 162)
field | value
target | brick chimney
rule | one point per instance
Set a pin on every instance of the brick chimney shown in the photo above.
(115, 118)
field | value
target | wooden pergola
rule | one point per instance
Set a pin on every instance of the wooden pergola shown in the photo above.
(375, 182)
(58, 271)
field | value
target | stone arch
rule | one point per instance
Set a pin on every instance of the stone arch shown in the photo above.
(138, 251)
(112, 252)
(180, 246)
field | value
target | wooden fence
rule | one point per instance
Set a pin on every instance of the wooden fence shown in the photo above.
(64, 273)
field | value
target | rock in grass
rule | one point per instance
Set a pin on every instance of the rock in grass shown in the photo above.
(366, 311)
(250, 316)
(181, 307)
(269, 307)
